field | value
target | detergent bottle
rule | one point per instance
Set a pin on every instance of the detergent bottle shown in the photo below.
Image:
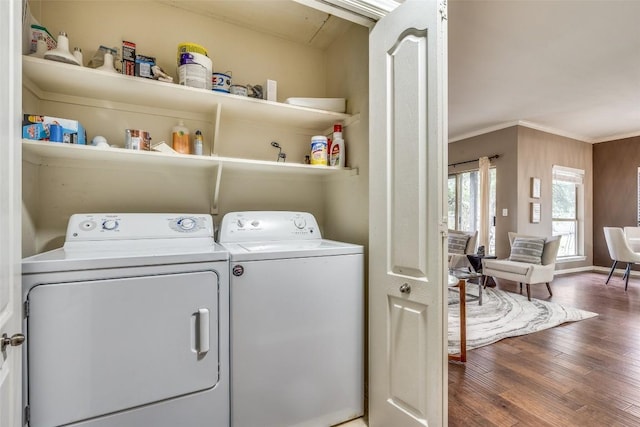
(337, 152)
(180, 138)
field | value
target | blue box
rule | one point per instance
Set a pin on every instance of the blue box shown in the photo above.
(38, 128)
(143, 66)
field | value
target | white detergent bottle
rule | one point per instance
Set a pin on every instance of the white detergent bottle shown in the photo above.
(337, 154)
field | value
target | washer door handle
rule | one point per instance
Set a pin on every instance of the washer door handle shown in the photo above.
(202, 333)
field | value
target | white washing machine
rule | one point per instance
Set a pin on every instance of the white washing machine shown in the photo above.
(127, 324)
(297, 322)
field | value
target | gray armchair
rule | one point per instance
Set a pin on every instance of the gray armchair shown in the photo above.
(536, 265)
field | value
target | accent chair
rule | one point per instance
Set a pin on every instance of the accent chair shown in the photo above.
(620, 251)
(532, 261)
(460, 244)
(633, 238)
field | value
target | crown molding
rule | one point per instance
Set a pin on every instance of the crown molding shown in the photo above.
(536, 126)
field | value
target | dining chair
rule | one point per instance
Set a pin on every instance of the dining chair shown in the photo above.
(633, 237)
(620, 251)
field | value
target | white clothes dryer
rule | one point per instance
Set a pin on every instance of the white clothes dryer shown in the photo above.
(297, 322)
(127, 325)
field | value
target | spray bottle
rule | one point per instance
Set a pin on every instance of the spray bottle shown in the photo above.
(197, 143)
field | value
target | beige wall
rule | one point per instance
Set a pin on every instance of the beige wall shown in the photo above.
(615, 186)
(157, 29)
(54, 192)
(538, 152)
(346, 206)
(526, 153)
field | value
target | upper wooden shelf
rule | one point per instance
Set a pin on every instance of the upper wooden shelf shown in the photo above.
(51, 79)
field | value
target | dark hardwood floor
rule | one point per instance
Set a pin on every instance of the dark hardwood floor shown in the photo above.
(585, 373)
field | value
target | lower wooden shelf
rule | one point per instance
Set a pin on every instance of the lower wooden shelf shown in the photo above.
(48, 153)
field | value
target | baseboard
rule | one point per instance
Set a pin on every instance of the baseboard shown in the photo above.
(596, 269)
(575, 270)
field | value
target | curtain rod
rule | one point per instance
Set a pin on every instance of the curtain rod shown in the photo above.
(495, 156)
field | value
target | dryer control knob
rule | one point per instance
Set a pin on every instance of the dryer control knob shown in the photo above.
(240, 223)
(186, 223)
(109, 224)
(299, 222)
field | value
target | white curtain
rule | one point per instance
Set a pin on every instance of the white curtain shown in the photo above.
(483, 232)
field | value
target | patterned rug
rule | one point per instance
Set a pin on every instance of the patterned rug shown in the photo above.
(503, 315)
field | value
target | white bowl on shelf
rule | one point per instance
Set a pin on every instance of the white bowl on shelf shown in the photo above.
(337, 105)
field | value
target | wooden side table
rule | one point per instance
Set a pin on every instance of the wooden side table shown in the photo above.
(461, 285)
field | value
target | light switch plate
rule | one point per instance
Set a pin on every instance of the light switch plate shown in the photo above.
(505, 212)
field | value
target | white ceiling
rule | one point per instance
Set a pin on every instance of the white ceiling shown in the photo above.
(571, 67)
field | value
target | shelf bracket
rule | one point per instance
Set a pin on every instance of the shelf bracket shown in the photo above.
(216, 129)
(216, 190)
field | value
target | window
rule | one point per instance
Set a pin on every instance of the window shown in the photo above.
(567, 210)
(464, 203)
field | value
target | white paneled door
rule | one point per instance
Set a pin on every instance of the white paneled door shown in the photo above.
(407, 307)
(10, 194)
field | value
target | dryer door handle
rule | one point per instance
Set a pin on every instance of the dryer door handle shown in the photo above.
(202, 331)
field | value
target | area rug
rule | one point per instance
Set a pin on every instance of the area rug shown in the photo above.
(503, 315)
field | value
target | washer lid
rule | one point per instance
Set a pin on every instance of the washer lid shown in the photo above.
(255, 251)
(122, 256)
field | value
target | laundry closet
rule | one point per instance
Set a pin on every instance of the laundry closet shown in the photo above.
(396, 210)
(239, 169)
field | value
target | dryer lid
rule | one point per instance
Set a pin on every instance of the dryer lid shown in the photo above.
(258, 251)
(112, 240)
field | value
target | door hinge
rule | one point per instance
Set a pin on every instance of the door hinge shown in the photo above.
(443, 227)
(26, 309)
(443, 10)
(27, 415)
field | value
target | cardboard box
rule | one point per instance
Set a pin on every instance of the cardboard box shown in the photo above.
(39, 128)
(143, 66)
(128, 58)
(39, 32)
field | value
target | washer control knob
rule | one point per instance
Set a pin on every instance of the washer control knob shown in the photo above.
(240, 223)
(87, 225)
(255, 223)
(109, 224)
(186, 224)
(299, 222)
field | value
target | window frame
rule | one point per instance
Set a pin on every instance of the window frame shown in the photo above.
(576, 176)
(457, 176)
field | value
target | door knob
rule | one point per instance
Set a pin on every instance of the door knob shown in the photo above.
(405, 288)
(14, 341)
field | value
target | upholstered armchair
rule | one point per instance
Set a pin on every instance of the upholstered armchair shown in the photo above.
(620, 250)
(461, 243)
(532, 261)
(633, 238)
